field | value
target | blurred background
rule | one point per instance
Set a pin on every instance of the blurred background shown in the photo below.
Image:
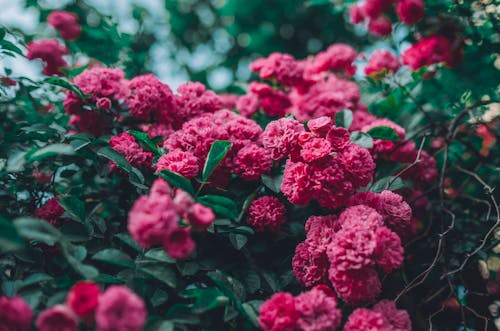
(211, 41)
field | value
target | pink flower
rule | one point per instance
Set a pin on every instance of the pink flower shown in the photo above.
(274, 103)
(380, 26)
(282, 67)
(150, 100)
(51, 53)
(83, 298)
(95, 123)
(178, 243)
(310, 268)
(15, 314)
(357, 286)
(398, 319)
(101, 82)
(193, 99)
(104, 103)
(200, 217)
(380, 63)
(373, 8)
(424, 172)
(65, 23)
(410, 11)
(360, 118)
(229, 100)
(157, 130)
(280, 137)
(337, 57)
(357, 14)
(363, 319)
(430, 50)
(266, 212)
(338, 138)
(58, 317)
(318, 310)
(278, 313)
(126, 145)
(151, 218)
(296, 184)
(51, 211)
(183, 163)
(358, 164)
(389, 252)
(120, 309)
(325, 98)
(248, 104)
(320, 125)
(252, 161)
(315, 149)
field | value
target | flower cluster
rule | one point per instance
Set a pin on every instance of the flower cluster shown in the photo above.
(266, 212)
(51, 211)
(376, 14)
(167, 218)
(431, 50)
(314, 310)
(51, 52)
(348, 250)
(323, 164)
(384, 316)
(65, 23)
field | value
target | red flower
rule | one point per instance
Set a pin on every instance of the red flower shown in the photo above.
(278, 313)
(83, 298)
(66, 23)
(51, 53)
(410, 11)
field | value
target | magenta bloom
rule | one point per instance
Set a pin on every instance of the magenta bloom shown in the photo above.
(178, 243)
(279, 313)
(366, 320)
(183, 163)
(59, 317)
(15, 314)
(200, 217)
(126, 145)
(430, 50)
(381, 61)
(280, 137)
(380, 26)
(274, 103)
(65, 23)
(282, 67)
(51, 52)
(193, 99)
(318, 310)
(120, 309)
(266, 213)
(51, 211)
(398, 319)
(338, 57)
(252, 161)
(410, 11)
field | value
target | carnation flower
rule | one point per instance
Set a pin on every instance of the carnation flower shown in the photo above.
(320, 125)
(381, 61)
(410, 11)
(266, 212)
(183, 163)
(65, 23)
(357, 286)
(280, 137)
(338, 138)
(151, 217)
(358, 164)
(357, 14)
(282, 67)
(252, 161)
(193, 99)
(150, 100)
(318, 310)
(297, 184)
(83, 298)
(363, 319)
(278, 313)
(429, 50)
(398, 319)
(389, 252)
(315, 149)
(126, 145)
(51, 52)
(51, 211)
(178, 243)
(274, 103)
(248, 104)
(380, 26)
(310, 267)
(15, 314)
(200, 217)
(336, 57)
(373, 8)
(120, 309)
(100, 83)
(58, 317)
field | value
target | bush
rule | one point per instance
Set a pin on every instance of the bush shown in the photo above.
(340, 190)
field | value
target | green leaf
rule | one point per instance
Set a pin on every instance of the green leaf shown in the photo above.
(159, 298)
(9, 238)
(206, 299)
(273, 183)
(116, 157)
(159, 254)
(115, 257)
(315, 3)
(64, 83)
(38, 230)
(384, 133)
(251, 309)
(75, 208)
(217, 152)
(344, 118)
(390, 183)
(238, 240)
(222, 206)
(10, 47)
(144, 138)
(162, 273)
(362, 139)
(50, 150)
(178, 181)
